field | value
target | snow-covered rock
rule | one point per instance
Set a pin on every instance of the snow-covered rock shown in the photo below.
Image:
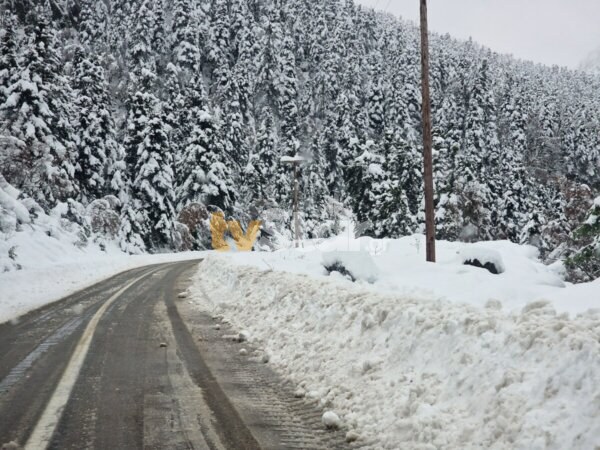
(359, 265)
(486, 257)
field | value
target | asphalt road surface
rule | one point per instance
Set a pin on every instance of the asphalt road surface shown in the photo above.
(129, 364)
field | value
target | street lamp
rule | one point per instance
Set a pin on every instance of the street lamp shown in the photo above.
(295, 161)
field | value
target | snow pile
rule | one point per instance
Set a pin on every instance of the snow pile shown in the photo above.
(401, 269)
(358, 265)
(407, 372)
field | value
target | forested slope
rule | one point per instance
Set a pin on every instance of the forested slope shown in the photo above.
(160, 110)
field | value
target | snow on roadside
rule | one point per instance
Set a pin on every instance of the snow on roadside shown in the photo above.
(407, 372)
(401, 269)
(53, 267)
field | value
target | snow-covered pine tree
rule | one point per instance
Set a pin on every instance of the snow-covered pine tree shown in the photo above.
(314, 197)
(262, 166)
(131, 229)
(471, 182)
(38, 111)
(141, 107)
(184, 36)
(98, 170)
(365, 180)
(446, 144)
(8, 54)
(152, 186)
(512, 180)
(391, 215)
(204, 174)
(583, 160)
(584, 264)
(93, 24)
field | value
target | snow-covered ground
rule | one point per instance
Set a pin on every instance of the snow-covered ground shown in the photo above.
(53, 267)
(426, 356)
(410, 355)
(401, 269)
(44, 257)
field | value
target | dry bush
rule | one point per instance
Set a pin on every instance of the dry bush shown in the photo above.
(103, 219)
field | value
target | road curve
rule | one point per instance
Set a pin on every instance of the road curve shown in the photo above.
(116, 366)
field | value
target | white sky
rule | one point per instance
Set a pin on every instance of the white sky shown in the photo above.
(559, 32)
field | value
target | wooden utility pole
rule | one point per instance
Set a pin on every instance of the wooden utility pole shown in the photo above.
(296, 222)
(427, 142)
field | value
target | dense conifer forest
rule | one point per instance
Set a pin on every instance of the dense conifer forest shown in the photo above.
(154, 113)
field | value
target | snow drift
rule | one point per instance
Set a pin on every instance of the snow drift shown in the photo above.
(407, 372)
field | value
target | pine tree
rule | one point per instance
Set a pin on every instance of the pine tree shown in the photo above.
(584, 264)
(287, 89)
(38, 111)
(314, 196)
(472, 181)
(512, 180)
(391, 214)
(8, 55)
(141, 107)
(204, 174)
(262, 166)
(152, 187)
(446, 144)
(93, 24)
(96, 171)
(131, 231)
(185, 36)
(365, 181)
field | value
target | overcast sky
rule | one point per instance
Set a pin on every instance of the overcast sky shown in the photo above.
(559, 32)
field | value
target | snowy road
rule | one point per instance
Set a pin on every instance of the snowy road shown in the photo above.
(126, 364)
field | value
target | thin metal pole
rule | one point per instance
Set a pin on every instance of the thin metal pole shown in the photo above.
(427, 140)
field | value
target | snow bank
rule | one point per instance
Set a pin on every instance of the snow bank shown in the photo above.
(62, 269)
(407, 372)
(401, 269)
(53, 261)
(46, 257)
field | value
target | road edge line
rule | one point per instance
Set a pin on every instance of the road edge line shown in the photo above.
(46, 425)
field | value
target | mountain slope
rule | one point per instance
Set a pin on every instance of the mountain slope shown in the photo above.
(180, 106)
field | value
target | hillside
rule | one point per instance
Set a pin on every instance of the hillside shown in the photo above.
(164, 111)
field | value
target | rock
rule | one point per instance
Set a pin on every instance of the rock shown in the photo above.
(182, 295)
(331, 420)
(242, 337)
(243, 352)
(265, 358)
(162, 344)
(217, 327)
(489, 266)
